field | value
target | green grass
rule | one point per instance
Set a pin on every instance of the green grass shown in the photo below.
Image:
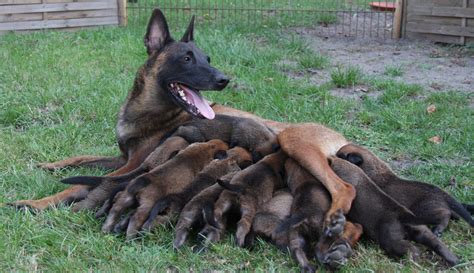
(59, 96)
(346, 76)
(393, 71)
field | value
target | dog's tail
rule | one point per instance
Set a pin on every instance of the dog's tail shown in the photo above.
(231, 187)
(96, 180)
(460, 209)
(84, 180)
(290, 222)
(469, 207)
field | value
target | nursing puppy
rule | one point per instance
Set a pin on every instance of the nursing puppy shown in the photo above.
(429, 203)
(269, 217)
(195, 212)
(169, 178)
(237, 131)
(106, 186)
(248, 190)
(384, 220)
(310, 204)
(237, 159)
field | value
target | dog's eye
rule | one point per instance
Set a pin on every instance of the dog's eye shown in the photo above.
(187, 59)
(208, 60)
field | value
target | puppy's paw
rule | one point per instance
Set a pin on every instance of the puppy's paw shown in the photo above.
(335, 226)
(337, 255)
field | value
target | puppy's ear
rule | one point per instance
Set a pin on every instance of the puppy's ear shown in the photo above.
(355, 159)
(256, 156)
(244, 164)
(157, 33)
(221, 154)
(276, 147)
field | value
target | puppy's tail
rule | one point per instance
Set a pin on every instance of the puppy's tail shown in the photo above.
(159, 207)
(96, 180)
(290, 222)
(469, 207)
(231, 187)
(460, 210)
(84, 180)
(208, 215)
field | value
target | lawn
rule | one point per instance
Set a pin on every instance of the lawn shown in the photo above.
(60, 93)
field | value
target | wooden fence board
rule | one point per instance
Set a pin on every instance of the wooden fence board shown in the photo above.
(62, 23)
(18, 2)
(440, 29)
(56, 7)
(25, 15)
(448, 21)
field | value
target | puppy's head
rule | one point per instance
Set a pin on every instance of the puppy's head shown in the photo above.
(363, 158)
(267, 146)
(347, 171)
(217, 144)
(241, 155)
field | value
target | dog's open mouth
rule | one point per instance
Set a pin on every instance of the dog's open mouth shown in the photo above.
(191, 100)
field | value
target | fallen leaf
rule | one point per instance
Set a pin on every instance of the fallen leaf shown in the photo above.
(436, 139)
(431, 109)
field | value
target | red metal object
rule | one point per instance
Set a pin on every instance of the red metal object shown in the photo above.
(382, 6)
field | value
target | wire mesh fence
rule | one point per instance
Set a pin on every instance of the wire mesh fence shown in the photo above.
(355, 18)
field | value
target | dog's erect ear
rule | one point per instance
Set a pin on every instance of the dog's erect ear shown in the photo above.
(189, 34)
(157, 33)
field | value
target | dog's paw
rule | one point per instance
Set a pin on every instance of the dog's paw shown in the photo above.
(335, 225)
(47, 166)
(337, 255)
(31, 205)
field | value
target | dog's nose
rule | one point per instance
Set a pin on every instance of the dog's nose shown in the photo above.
(222, 82)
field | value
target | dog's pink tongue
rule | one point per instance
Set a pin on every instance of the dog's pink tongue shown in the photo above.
(198, 101)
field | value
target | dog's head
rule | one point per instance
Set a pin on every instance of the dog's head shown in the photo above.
(182, 69)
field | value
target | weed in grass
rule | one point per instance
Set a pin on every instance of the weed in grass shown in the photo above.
(312, 61)
(393, 71)
(346, 77)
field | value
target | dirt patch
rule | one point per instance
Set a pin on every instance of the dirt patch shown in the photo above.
(434, 67)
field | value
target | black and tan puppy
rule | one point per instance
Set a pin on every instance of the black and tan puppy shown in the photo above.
(429, 203)
(308, 210)
(237, 158)
(195, 212)
(270, 216)
(248, 190)
(384, 220)
(237, 131)
(169, 178)
(105, 186)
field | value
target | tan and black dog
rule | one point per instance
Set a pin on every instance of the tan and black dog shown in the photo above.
(195, 212)
(248, 190)
(237, 158)
(429, 203)
(305, 226)
(169, 178)
(384, 220)
(166, 94)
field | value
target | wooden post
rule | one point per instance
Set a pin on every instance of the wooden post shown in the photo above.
(397, 19)
(462, 40)
(122, 12)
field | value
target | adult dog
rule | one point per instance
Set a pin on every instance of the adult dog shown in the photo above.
(166, 94)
